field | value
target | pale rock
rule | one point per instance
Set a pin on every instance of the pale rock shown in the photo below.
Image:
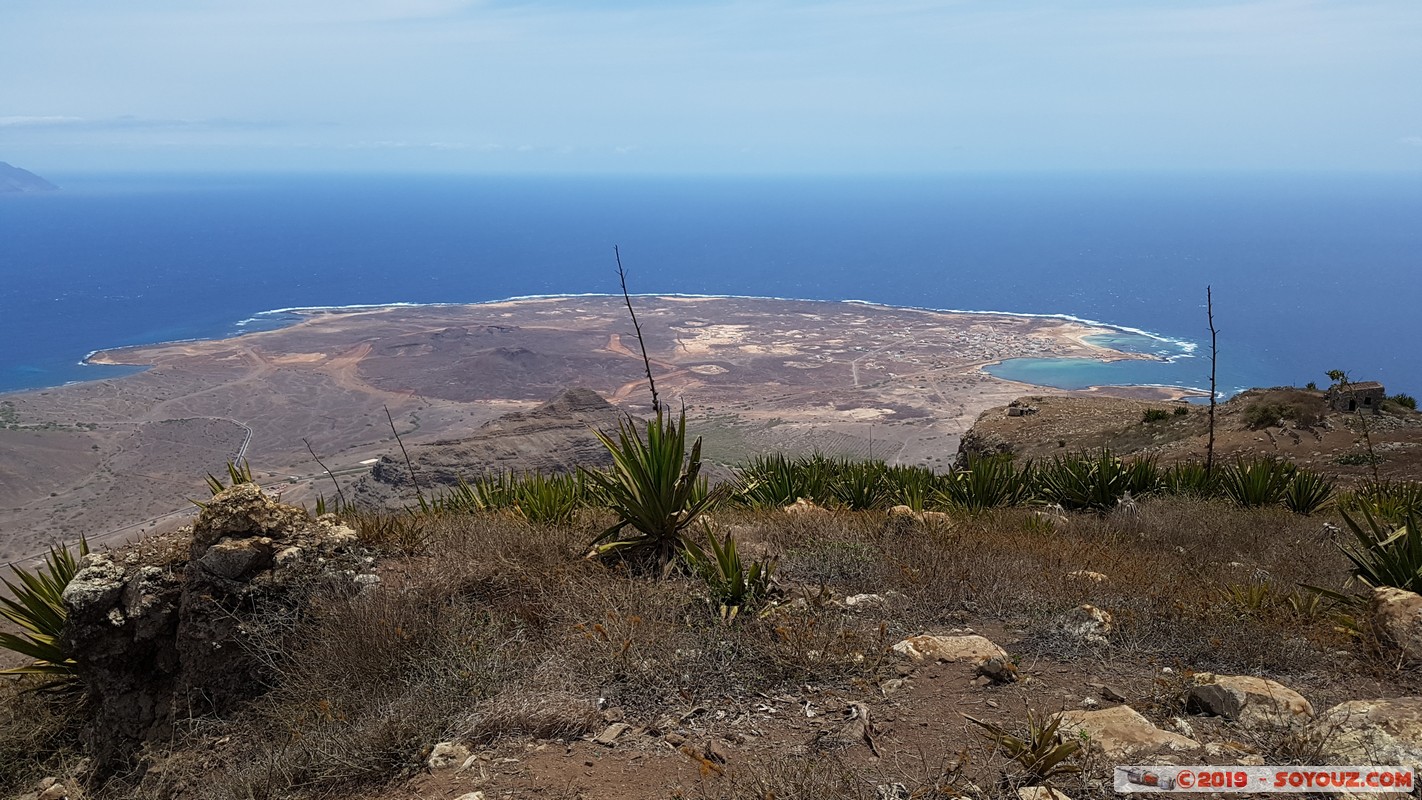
(448, 754)
(609, 735)
(243, 511)
(939, 519)
(1372, 732)
(892, 791)
(56, 791)
(471, 796)
(329, 528)
(890, 686)
(972, 648)
(1040, 793)
(1121, 732)
(866, 602)
(1397, 617)
(1249, 700)
(98, 585)
(236, 559)
(803, 506)
(1088, 624)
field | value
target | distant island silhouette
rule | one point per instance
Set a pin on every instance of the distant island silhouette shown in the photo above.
(14, 179)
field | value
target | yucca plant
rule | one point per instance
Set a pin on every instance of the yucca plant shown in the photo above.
(1190, 479)
(1255, 482)
(403, 532)
(1386, 500)
(652, 487)
(733, 586)
(915, 487)
(987, 482)
(862, 485)
(38, 609)
(1093, 481)
(1386, 556)
(774, 481)
(1040, 753)
(489, 493)
(236, 473)
(1307, 492)
(549, 500)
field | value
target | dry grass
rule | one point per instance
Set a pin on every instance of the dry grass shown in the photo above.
(492, 628)
(38, 735)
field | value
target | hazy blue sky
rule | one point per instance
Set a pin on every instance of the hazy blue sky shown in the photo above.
(729, 86)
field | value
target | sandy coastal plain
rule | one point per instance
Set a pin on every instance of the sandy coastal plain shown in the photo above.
(116, 457)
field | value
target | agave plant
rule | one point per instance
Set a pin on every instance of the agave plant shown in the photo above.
(1306, 492)
(987, 482)
(1385, 556)
(1041, 752)
(775, 481)
(1191, 479)
(236, 473)
(734, 587)
(652, 487)
(862, 485)
(549, 500)
(1254, 482)
(38, 609)
(1095, 481)
(1387, 501)
(915, 487)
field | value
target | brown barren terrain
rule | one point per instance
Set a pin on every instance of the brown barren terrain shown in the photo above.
(115, 457)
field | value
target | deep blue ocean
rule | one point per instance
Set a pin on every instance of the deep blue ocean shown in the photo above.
(1310, 272)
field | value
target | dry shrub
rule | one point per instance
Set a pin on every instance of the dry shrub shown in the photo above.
(837, 549)
(38, 734)
(499, 628)
(376, 678)
(822, 777)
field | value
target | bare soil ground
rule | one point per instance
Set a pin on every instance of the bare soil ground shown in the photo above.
(498, 634)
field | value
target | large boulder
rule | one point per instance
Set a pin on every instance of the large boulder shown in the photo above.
(970, 648)
(159, 642)
(1087, 624)
(1397, 617)
(1372, 732)
(1121, 733)
(1249, 700)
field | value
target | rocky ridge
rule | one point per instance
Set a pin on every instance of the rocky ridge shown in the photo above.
(554, 438)
(159, 642)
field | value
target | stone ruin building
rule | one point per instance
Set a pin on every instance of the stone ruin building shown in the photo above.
(1365, 396)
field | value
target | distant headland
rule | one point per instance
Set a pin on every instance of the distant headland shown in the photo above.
(15, 180)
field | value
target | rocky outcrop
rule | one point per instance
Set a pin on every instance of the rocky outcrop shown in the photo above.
(970, 648)
(1121, 733)
(556, 437)
(158, 642)
(1397, 618)
(1372, 732)
(1249, 700)
(1087, 624)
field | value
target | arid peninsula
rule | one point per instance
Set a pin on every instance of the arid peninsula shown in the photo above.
(119, 456)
